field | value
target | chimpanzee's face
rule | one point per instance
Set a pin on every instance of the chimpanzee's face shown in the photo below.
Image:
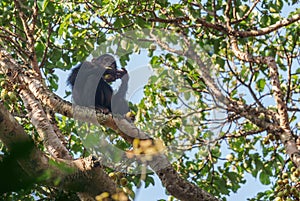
(107, 62)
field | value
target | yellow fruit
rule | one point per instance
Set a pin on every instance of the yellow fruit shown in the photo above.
(12, 96)
(285, 175)
(230, 157)
(120, 175)
(3, 94)
(123, 181)
(152, 47)
(112, 175)
(2, 83)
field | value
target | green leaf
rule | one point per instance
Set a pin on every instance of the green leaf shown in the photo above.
(141, 22)
(260, 84)
(279, 4)
(220, 62)
(42, 4)
(265, 21)
(56, 55)
(49, 8)
(187, 95)
(264, 178)
(39, 48)
(63, 28)
(149, 181)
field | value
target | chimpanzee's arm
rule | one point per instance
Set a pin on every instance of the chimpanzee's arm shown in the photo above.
(119, 103)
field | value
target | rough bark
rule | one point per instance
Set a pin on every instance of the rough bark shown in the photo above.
(282, 129)
(82, 175)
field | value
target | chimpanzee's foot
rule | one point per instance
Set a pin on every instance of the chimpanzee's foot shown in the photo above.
(103, 110)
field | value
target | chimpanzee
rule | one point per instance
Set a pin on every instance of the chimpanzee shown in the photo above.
(90, 88)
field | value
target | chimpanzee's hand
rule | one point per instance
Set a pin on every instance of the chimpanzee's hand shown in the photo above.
(109, 77)
(121, 73)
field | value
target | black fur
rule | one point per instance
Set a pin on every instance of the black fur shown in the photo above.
(90, 88)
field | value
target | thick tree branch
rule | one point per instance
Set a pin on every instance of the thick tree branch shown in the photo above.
(177, 186)
(269, 29)
(222, 27)
(44, 127)
(35, 163)
(283, 130)
(38, 117)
